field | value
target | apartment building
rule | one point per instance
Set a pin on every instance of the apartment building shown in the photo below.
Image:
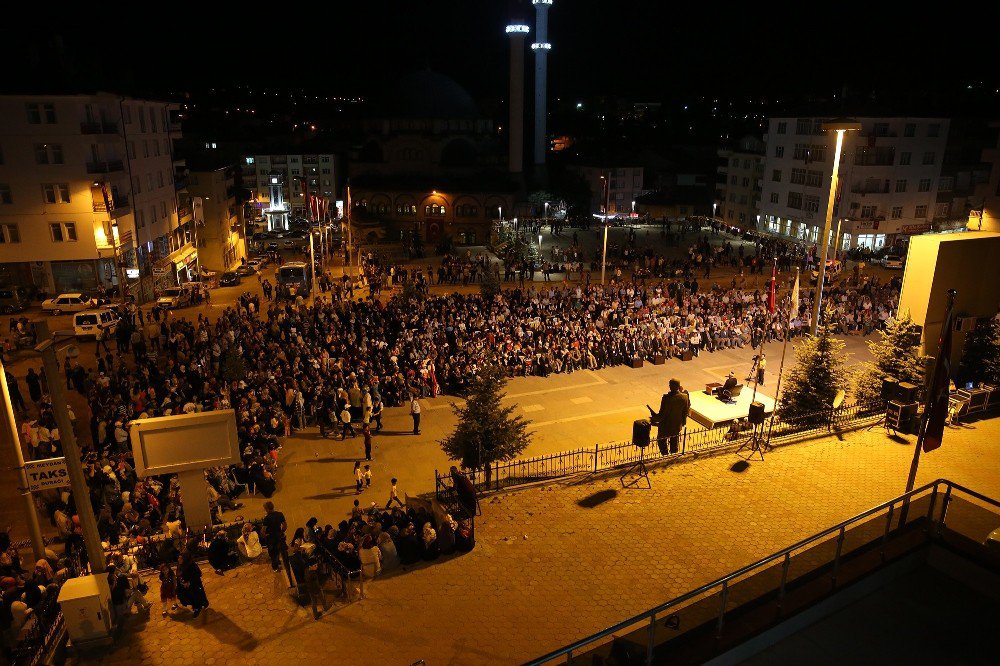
(986, 214)
(87, 192)
(889, 178)
(741, 175)
(220, 238)
(317, 170)
(625, 183)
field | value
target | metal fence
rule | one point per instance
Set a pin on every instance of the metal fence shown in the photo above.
(691, 441)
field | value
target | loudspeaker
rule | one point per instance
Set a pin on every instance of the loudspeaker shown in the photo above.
(907, 392)
(901, 417)
(890, 385)
(756, 415)
(640, 432)
(687, 355)
(637, 362)
(659, 359)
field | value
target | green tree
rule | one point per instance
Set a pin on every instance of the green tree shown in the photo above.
(490, 286)
(487, 432)
(981, 354)
(896, 353)
(812, 382)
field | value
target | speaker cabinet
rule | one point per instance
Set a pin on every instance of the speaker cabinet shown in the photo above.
(756, 415)
(640, 433)
(901, 417)
(890, 385)
(907, 392)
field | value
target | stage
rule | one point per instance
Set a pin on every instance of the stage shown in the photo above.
(711, 412)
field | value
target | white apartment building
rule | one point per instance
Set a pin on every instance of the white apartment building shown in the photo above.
(889, 178)
(318, 169)
(626, 187)
(221, 242)
(85, 179)
(741, 174)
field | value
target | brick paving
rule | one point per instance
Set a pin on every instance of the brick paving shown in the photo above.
(547, 571)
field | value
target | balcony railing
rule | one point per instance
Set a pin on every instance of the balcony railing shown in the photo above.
(120, 207)
(107, 166)
(99, 128)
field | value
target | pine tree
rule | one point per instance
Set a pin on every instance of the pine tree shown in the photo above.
(487, 432)
(814, 379)
(981, 354)
(490, 286)
(894, 355)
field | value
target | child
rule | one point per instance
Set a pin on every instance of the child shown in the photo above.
(358, 476)
(168, 587)
(394, 494)
(368, 476)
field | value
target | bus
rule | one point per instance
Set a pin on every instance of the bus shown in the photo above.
(294, 279)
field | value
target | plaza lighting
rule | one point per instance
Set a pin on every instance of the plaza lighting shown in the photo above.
(838, 125)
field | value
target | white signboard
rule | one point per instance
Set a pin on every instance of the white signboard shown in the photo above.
(46, 474)
(172, 444)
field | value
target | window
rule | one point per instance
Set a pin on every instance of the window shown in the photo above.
(810, 152)
(156, 148)
(946, 184)
(152, 120)
(159, 179)
(48, 153)
(868, 212)
(55, 193)
(145, 148)
(774, 197)
(779, 151)
(140, 218)
(881, 129)
(149, 182)
(812, 204)
(63, 231)
(6, 197)
(920, 212)
(803, 126)
(874, 155)
(137, 186)
(897, 212)
(901, 185)
(743, 200)
(745, 182)
(929, 157)
(163, 210)
(910, 129)
(127, 114)
(382, 208)
(795, 200)
(814, 178)
(798, 177)
(130, 147)
(732, 180)
(782, 127)
(776, 175)
(934, 129)
(9, 233)
(732, 197)
(925, 185)
(466, 210)
(434, 210)
(249, 160)
(34, 114)
(408, 209)
(38, 113)
(735, 162)
(904, 159)
(325, 159)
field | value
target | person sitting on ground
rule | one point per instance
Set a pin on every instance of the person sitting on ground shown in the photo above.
(371, 558)
(248, 544)
(220, 553)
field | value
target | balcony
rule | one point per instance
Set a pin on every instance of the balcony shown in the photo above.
(107, 166)
(99, 128)
(120, 207)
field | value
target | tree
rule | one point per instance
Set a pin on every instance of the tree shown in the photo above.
(490, 286)
(895, 354)
(487, 432)
(981, 354)
(814, 379)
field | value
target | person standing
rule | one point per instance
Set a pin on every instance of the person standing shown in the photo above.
(366, 431)
(415, 413)
(14, 390)
(34, 382)
(359, 477)
(377, 413)
(761, 364)
(394, 495)
(274, 526)
(190, 590)
(168, 588)
(672, 417)
(345, 421)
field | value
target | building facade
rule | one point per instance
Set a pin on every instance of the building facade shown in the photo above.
(985, 216)
(889, 178)
(626, 187)
(88, 197)
(315, 171)
(741, 175)
(221, 236)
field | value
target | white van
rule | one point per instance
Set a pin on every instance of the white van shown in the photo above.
(88, 323)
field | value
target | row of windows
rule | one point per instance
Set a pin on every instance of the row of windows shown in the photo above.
(156, 151)
(896, 212)
(815, 126)
(59, 232)
(294, 159)
(432, 210)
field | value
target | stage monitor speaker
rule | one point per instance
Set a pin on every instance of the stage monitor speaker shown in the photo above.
(902, 417)
(890, 385)
(756, 415)
(906, 392)
(640, 432)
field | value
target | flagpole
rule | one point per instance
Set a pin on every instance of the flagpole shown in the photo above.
(928, 405)
(784, 347)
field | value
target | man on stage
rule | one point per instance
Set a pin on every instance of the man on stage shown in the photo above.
(672, 417)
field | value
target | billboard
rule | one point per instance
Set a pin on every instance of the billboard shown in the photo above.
(183, 442)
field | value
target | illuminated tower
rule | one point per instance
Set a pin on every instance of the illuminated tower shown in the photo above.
(277, 211)
(515, 135)
(541, 48)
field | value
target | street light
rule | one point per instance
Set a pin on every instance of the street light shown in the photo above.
(838, 125)
(715, 205)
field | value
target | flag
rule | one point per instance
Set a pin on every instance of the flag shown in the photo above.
(772, 288)
(937, 403)
(795, 299)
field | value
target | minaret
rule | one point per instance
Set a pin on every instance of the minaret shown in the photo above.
(515, 135)
(541, 48)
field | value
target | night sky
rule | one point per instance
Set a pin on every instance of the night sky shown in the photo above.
(643, 50)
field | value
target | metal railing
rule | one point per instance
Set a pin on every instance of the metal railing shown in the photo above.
(932, 491)
(691, 441)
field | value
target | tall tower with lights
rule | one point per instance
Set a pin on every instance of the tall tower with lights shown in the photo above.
(541, 48)
(517, 30)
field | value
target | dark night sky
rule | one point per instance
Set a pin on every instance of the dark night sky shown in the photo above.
(640, 49)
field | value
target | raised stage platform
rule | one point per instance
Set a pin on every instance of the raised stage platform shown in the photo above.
(711, 412)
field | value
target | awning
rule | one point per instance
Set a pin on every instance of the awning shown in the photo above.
(181, 258)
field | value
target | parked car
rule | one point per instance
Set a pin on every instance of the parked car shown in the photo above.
(13, 299)
(834, 267)
(91, 322)
(68, 303)
(176, 297)
(229, 278)
(893, 261)
(273, 245)
(257, 263)
(245, 271)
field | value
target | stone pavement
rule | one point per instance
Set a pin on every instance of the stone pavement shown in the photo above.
(548, 570)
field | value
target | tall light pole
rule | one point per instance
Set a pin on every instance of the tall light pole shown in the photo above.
(839, 126)
(8, 428)
(607, 204)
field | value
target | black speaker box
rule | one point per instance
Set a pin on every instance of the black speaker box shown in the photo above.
(640, 433)
(890, 385)
(907, 392)
(756, 415)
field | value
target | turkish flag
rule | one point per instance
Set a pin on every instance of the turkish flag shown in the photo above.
(938, 403)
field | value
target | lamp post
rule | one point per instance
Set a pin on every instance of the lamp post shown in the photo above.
(607, 204)
(839, 126)
(715, 205)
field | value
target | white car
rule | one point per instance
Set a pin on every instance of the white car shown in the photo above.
(893, 261)
(95, 323)
(174, 297)
(257, 263)
(68, 303)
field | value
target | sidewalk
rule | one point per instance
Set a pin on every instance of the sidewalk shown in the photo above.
(555, 563)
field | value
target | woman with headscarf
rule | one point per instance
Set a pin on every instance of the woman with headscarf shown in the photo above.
(371, 558)
(190, 591)
(429, 542)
